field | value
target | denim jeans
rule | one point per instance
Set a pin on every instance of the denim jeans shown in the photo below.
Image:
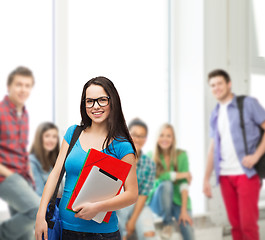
(144, 223)
(72, 235)
(162, 204)
(23, 204)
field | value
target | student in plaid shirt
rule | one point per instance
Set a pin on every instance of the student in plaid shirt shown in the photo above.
(15, 178)
(139, 216)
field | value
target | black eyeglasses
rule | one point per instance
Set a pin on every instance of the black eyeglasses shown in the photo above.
(102, 101)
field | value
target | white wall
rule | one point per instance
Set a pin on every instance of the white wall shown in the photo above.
(131, 51)
(226, 46)
(26, 39)
(188, 113)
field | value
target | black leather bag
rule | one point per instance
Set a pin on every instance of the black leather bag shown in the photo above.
(260, 165)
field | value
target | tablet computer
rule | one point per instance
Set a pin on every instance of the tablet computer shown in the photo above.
(98, 186)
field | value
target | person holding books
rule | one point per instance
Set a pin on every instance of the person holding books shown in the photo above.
(104, 129)
(139, 216)
(169, 197)
(43, 153)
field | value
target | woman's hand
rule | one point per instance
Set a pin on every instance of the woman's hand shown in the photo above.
(87, 211)
(41, 227)
(184, 218)
(189, 177)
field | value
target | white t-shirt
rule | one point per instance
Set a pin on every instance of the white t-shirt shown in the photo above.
(229, 164)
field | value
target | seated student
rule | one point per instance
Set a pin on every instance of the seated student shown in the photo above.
(43, 153)
(169, 198)
(15, 178)
(139, 217)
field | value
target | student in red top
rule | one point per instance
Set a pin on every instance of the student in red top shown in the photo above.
(15, 178)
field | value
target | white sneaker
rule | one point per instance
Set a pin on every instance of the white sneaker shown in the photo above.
(166, 232)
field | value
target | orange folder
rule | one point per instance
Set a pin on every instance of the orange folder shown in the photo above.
(109, 164)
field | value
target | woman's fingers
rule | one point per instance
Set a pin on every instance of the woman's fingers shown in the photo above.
(45, 235)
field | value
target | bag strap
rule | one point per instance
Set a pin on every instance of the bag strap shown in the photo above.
(75, 136)
(240, 104)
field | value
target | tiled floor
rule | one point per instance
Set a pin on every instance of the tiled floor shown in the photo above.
(203, 234)
(203, 229)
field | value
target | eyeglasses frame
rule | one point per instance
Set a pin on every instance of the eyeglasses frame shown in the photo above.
(96, 100)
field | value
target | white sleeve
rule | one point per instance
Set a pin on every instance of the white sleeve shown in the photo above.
(184, 186)
(173, 176)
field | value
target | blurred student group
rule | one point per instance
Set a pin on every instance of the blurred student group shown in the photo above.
(162, 173)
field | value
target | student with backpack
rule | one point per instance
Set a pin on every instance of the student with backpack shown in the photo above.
(239, 181)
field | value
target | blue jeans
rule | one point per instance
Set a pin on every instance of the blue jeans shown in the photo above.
(162, 204)
(23, 204)
(144, 223)
(72, 235)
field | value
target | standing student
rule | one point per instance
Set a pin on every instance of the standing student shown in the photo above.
(239, 182)
(170, 196)
(43, 153)
(105, 130)
(139, 216)
(15, 179)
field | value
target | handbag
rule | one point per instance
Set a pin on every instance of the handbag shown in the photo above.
(52, 213)
(260, 165)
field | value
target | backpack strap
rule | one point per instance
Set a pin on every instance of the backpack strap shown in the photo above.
(240, 105)
(75, 136)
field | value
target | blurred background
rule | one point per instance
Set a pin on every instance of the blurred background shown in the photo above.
(157, 53)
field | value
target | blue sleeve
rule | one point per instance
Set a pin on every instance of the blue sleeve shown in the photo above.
(36, 171)
(258, 112)
(69, 133)
(211, 127)
(124, 148)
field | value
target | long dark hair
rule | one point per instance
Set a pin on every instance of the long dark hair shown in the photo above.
(117, 128)
(47, 161)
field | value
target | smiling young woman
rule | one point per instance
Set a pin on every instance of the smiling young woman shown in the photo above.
(104, 129)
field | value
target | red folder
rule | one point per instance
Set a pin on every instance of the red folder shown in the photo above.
(109, 164)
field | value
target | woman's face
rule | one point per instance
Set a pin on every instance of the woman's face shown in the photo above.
(165, 139)
(99, 112)
(50, 139)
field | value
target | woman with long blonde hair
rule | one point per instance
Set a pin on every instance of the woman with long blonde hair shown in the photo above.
(169, 197)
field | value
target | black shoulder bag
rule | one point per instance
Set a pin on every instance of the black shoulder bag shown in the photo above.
(260, 165)
(52, 213)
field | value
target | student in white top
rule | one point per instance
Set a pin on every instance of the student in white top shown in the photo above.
(239, 181)
(229, 162)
